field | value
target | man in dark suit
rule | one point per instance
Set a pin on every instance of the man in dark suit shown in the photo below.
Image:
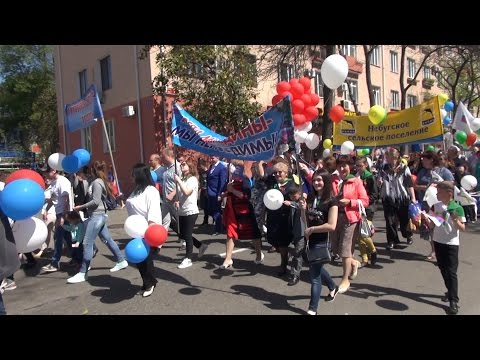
(216, 184)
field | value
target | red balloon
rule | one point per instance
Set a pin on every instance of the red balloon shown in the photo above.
(276, 99)
(287, 93)
(315, 99)
(26, 174)
(307, 100)
(283, 86)
(297, 90)
(155, 235)
(310, 113)
(297, 106)
(337, 113)
(299, 119)
(306, 83)
(471, 139)
(293, 81)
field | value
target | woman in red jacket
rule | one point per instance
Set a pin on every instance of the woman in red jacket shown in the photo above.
(350, 191)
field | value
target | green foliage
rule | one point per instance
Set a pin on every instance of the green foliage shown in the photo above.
(216, 83)
(27, 95)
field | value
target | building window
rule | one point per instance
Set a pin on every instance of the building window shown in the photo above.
(395, 99)
(393, 62)
(82, 80)
(427, 73)
(353, 89)
(350, 50)
(86, 137)
(375, 57)
(285, 72)
(376, 95)
(412, 68)
(106, 73)
(317, 80)
(110, 125)
(411, 100)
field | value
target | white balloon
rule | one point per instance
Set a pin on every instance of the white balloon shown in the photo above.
(29, 234)
(273, 199)
(475, 124)
(346, 148)
(326, 153)
(443, 113)
(135, 226)
(305, 127)
(312, 141)
(300, 136)
(55, 161)
(334, 71)
(469, 182)
(2, 185)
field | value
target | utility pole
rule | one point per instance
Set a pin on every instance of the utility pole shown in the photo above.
(163, 94)
(328, 98)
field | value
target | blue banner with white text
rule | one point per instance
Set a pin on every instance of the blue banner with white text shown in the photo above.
(262, 139)
(84, 112)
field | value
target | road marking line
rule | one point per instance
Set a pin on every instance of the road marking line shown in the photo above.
(234, 251)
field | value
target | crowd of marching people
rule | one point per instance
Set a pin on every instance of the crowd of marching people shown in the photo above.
(327, 204)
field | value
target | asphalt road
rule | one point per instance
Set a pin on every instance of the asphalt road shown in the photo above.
(403, 282)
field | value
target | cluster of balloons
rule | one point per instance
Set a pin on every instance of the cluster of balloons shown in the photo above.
(143, 236)
(69, 163)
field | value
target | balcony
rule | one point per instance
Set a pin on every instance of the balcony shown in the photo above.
(428, 83)
(411, 81)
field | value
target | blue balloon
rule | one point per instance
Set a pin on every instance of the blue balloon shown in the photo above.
(449, 105)
(22, 199)
(137, 250)
(71, 164)
(154, 175)
(83, 155)
(447, 121)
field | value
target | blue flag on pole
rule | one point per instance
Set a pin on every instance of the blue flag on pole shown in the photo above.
(260, 140)
(84, 112)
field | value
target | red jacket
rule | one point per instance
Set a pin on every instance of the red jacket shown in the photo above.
(354, 190)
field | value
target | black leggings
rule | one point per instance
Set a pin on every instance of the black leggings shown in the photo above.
(186, 230)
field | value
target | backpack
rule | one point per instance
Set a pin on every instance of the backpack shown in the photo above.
(110, 203)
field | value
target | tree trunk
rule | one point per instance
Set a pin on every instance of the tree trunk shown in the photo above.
(328, 95)
(368, 73)
(403, 91)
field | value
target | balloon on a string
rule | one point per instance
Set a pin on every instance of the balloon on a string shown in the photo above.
(377, 114)
(71, 164)
(22, 199)
(83, 155)
(430, 148)
(55, 161)
(447, 121)
(312, 141)
(461, 137)
(442, 99)
(443, 113)
(298, 106)
(314, 99)
(300, 136)
(299, 119)
(135, 226)
(307, 99)
(326, 153)
(297, 90)
(365, 152)
(469, 182)
(327, 144)
(156, 235)
(306, 83)
(310, 113)
(471, 139)
(26, 174)
(273, 199)
(29, 234)
(449, 105)
(305, 127)
(282, 87)
(337, 113)
(137, 250)
(334, 71)
(347, 148)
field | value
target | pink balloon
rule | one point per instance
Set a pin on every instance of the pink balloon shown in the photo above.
(283, 86)
(306, 83)
(297, 106)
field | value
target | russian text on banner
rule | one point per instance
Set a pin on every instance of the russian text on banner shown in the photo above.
(84, 112)
(259, 140)
(416, 125)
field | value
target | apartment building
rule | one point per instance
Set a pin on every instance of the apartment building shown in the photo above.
(135, 118)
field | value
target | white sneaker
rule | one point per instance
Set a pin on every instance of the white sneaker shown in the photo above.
(185, 263)
(119, 266)
(201, 250)
(78, 278)
(258, 262)
(311, 312)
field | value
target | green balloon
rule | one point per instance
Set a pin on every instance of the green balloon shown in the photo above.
(430, 148)
(461, 137)
(366, 151)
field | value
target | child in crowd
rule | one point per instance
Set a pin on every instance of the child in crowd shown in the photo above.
(367, 248)
(77, 228)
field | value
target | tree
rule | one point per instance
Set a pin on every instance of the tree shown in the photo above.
(217, 83)
(27, 95)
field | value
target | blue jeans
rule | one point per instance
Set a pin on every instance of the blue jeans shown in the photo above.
(318, 275)
(59, 236)
(97, 225)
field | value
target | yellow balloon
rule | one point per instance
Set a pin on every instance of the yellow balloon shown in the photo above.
(442, 99)
(327, 143)
(376, 114)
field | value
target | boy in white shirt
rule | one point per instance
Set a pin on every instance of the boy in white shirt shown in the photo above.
(449, 221)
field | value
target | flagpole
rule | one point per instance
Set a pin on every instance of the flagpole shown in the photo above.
(111, 155)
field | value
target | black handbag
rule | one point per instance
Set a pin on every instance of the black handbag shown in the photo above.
(320, 253)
